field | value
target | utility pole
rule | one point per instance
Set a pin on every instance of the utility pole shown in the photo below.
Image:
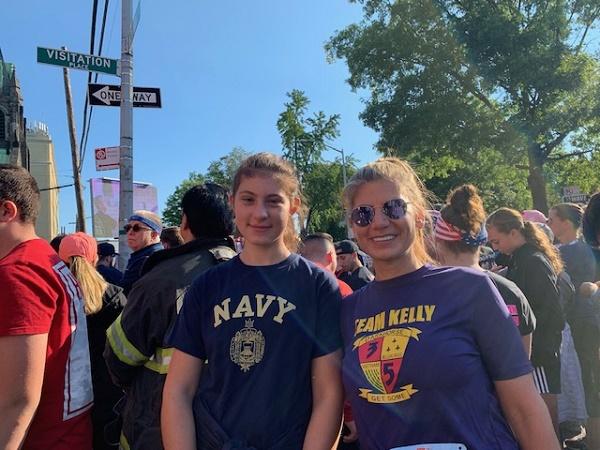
(80, 222)
(341, 152)
(126, 141)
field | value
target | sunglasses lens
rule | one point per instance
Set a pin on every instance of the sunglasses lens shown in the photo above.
(362, 216)
(395, 209)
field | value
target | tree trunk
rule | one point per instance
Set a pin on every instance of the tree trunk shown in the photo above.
(536, 180)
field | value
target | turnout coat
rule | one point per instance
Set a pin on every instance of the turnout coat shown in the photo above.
(136, 353)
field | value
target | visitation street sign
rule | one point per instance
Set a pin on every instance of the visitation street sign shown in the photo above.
(110, 95)
(74, 60)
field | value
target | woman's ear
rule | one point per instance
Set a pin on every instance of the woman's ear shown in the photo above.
(295, 205)
(420, 219)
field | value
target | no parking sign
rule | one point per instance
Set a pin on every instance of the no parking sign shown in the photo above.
(107, 158)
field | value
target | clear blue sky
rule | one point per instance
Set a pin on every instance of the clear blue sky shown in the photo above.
(223, 69)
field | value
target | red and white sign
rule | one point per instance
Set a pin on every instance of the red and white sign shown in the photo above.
(107, 158)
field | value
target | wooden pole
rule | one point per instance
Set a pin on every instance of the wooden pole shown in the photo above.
(80, 221)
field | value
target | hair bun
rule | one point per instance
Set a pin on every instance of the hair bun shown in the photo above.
(464, 209)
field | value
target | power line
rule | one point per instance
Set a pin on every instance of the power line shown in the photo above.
(57, 187)
(86, 126)
(85, 107)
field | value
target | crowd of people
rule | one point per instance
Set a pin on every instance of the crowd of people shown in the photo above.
(433, 328)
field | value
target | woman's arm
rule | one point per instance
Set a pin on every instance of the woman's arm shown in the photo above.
(324, 426)
(177, 418)
(526, 413)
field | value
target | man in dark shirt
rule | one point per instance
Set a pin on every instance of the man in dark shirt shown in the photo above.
(143, 237)
(350, 269)
(105, 265)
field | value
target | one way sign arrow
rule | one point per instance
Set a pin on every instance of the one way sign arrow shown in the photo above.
(110, 95)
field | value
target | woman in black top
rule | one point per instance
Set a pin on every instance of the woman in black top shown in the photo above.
(533, 267)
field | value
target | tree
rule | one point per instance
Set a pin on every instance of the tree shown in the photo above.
(304, 141)
(172, 211)
(449, 79)
(223, 170)
(220, 171)
(303, 138)
(323, 189)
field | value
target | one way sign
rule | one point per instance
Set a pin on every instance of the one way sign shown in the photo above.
(110, 95)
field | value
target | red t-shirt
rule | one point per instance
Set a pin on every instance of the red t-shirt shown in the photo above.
(39, 295)
(345, 289)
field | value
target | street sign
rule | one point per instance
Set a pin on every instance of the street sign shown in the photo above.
(576, 198)
(107, 158)
(74, 60)
(110, 95)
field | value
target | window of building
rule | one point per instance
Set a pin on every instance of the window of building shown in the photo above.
(2, 126)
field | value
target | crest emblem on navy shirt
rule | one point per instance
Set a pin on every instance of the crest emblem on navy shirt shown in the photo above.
(247, 346)
(380, 356)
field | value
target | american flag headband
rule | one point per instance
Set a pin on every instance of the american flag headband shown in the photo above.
(448, 232)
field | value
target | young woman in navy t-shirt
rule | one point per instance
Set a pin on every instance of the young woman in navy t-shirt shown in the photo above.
(432, 357)
(266, 323)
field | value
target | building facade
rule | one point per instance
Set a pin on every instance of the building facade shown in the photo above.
(43, 169)
(13, 143)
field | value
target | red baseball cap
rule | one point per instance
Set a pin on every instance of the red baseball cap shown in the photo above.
(78, 244)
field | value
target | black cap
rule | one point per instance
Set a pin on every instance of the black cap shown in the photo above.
(346, 246)
(106, 249)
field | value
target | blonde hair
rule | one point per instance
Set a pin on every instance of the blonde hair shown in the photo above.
(270, 165)
(91, 283)
(506, 219)
(400, 173)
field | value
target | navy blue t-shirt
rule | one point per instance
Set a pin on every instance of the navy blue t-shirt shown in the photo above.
(421, 354)
(259, 327)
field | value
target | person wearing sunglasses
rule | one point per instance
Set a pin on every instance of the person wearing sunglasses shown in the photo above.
(350, 269)
(432, 357)
(143, 238)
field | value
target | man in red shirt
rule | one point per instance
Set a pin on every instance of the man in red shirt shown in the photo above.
(46, 389)
(319, 248)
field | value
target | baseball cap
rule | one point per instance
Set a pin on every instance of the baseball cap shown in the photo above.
(533, 215)
(345, 246)
(106, 249)
(78, 244)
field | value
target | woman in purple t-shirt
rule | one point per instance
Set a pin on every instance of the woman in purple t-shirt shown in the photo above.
(432, 358)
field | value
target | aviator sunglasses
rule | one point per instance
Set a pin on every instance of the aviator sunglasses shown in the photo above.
(135, 228)
(363, 216)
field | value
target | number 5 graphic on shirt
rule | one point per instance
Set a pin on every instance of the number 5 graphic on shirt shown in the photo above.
(388, 371)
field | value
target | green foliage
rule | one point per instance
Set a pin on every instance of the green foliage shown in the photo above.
(498, 184)
(323, 192)
(223, 170)
(172, 212)
(448, 79)
(220, 171)
(303, 138)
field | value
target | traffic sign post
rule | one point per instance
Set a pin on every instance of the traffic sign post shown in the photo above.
(110, 95)
(72, 60)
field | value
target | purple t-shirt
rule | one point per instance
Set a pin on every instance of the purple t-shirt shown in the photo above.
(421, 354)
